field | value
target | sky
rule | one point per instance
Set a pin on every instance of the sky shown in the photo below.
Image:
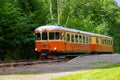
(118, 2)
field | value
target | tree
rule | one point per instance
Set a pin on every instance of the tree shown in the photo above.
(18, 21)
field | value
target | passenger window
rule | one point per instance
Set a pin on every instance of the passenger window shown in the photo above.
(76, 38)
(111, 42)
(57, 35)
(105, 41)
(80, 38)
(51, 35)
(87, 39)
(84, 39)
(68, 37)
(102, 41)
(72, 37)
(97, 40)
(62, 35)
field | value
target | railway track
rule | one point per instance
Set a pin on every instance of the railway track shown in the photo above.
(33, 62)
(25, 63)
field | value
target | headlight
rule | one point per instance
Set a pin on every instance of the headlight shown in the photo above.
(35, 49)
(55, 48)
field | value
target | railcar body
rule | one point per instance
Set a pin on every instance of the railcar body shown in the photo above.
(56, 40)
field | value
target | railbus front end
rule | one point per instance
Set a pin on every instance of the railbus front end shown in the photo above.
(48, 43)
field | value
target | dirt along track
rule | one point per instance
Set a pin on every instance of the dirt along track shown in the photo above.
(47, 71)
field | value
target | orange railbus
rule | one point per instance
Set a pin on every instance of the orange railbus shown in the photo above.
(52, 41)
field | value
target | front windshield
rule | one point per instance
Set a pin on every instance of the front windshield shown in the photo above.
(44, 36)
(38, 36)
(48, 36)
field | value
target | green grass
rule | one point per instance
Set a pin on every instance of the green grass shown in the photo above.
(111, 72)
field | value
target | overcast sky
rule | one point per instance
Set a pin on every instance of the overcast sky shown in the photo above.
(118, 1)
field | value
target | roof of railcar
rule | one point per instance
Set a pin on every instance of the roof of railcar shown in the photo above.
(53, 27)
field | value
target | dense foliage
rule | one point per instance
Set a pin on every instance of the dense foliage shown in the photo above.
(19, 18)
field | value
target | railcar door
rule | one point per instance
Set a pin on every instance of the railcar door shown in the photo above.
(98, 42)
(67, 42)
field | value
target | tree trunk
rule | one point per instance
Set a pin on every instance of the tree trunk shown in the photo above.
(58, 7)
(52, 18)
(67, 18)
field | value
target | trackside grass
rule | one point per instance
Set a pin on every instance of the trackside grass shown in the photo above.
(111, 72)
